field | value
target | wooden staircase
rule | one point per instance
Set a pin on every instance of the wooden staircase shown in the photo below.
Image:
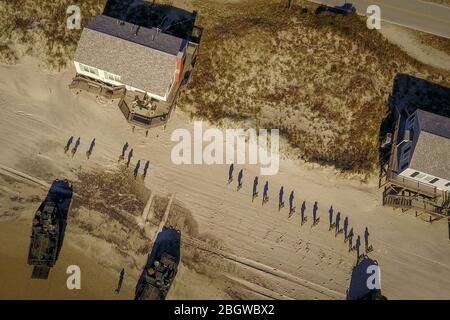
(397, 201)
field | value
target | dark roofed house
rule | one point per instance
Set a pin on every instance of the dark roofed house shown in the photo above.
(416, 176)
(118, 53)
(423, 153)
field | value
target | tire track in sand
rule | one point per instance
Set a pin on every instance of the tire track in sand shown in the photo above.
(265, 269)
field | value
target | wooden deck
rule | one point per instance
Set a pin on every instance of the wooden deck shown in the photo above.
(157, 113)
(102, 89)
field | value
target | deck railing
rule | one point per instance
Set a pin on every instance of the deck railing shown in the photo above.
(142, 121)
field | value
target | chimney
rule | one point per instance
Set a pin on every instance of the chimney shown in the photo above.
(179, 66)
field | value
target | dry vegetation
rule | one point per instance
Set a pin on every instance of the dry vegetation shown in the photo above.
(40, 29)
(436, 42)
(324, 80)
(106, 206)
(445, 2)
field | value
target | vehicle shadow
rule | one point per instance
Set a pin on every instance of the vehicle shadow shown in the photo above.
(61, 192)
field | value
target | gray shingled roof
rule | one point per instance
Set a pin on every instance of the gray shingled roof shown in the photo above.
(434, 123)
(145, 61)
(432, 151)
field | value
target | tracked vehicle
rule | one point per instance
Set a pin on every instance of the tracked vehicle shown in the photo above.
(48, 229)
(161, 267)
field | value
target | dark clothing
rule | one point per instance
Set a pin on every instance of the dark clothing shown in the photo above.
(240, 175)
(366, 238)
(330, 216)
(338, 220)
(255, 185)
(266, 190)
(357, 245)
(230, 172)
(291, 201)
(345, 226)
(315, 207)
(124, 148)
(280, 196)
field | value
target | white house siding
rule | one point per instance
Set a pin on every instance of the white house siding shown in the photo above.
(440, 184)
(101, 76)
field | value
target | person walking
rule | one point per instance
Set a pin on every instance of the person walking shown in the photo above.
(91, 149)
(147, 165)
(366, 241)
(136, 169)
(281, 198)
(350, 240)
(75, 147)
(357, 246)
(69, 142)
(291, 203)
(230, 173)
(302, 212)
(330, 217)
(240, 176)
(266, 193)
(345, 227)
(338, 221)
(315, 208)
(124, 149)
(255, 188)
(130, 155)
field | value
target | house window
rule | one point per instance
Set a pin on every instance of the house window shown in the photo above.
(415, 174)
(434, 180)
(89, 69)
(447, 184)
(112, 77)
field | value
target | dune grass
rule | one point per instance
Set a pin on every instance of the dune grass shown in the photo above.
(324, 80)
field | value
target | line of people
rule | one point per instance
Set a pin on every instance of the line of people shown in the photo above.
(333, 224)
(76, 146)
(138, 164)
